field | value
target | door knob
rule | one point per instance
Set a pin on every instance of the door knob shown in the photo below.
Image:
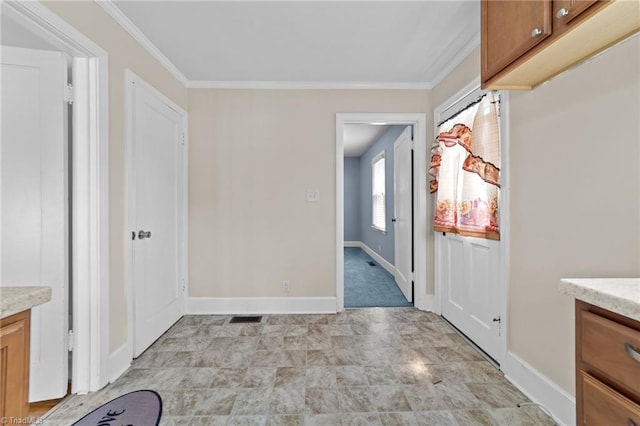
(562, 13)
(536, 32)
(142, 235)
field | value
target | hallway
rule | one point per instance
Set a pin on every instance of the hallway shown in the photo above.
(367, 284)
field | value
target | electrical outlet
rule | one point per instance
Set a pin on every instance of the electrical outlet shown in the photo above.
(286, 286)
(379, 248)
(313, 195)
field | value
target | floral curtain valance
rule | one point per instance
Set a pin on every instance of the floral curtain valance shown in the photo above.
(465, 172)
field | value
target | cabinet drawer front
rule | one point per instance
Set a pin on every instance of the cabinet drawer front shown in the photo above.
(612, 348)
(603, 406)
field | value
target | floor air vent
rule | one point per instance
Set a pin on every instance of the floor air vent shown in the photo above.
(245, 320)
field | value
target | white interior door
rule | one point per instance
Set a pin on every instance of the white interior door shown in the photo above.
(403, 211)
(157, 137)
(35, 249)
(470, 297)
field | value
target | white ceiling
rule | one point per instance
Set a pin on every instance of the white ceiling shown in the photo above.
(16, 35)
(366, 43)
(358, 137)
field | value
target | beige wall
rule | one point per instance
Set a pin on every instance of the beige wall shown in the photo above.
(253, 153)
(575, 195)
(575, 199)
(124, 52)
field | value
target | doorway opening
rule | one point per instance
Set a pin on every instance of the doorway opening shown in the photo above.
(381, 211)
(377, 211)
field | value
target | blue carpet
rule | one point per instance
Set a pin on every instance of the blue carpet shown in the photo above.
(368, 286)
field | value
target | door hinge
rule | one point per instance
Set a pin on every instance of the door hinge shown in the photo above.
(184, 284)
(497, 103)
(68, 94)
(70, 348)
(183, 139)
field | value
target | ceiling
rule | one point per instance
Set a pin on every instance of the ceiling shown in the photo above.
(348, 43)
(16, 35)
(358, 137)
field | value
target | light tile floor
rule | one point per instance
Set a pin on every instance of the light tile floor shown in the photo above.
(377, 366)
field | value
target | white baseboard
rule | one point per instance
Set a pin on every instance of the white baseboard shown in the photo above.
(119, 361)
(261, 305)
(352, 244)
(379, 259)
(537, 387)
(429, 303)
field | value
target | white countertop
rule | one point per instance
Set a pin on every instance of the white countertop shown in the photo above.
(18, 299)
(619, 295)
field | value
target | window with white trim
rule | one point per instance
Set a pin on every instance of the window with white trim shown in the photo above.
(378, 193)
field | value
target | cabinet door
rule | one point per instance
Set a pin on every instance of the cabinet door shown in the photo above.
(510, 29)
(566, 11)
(14, 366)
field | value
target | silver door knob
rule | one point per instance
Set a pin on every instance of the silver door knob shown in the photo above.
(142, 235)
(562, 13)
(536, 32)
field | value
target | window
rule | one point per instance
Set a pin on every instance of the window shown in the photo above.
(377, 193)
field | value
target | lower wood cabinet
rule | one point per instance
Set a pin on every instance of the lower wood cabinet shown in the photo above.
(607, 367)
(604, 406)
(14, 366)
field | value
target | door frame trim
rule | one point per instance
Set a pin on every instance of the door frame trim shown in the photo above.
(419, 121)
(183, 200)
(503, 260)
(90, 194)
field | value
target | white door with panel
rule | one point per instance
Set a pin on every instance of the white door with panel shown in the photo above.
(156, 188)
(35, 204)
(469, 270)
(403, 212)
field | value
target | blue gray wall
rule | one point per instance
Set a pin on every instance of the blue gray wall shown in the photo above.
(352, 199)
(383, 244)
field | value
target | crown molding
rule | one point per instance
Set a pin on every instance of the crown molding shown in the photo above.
(463, 53)
(139, 36)
(308, 85)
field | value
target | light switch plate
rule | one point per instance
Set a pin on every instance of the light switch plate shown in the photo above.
(313, 195)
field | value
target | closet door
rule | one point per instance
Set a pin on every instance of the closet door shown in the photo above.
(156, 187)
(35, 249)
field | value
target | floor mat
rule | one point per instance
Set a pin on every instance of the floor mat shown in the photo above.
(140, 408)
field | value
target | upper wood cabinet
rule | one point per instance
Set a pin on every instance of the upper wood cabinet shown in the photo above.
(567, 13)
(526, 42)
(510, 29)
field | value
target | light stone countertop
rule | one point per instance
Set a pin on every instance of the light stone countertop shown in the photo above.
(619, 295)
(18, 299)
